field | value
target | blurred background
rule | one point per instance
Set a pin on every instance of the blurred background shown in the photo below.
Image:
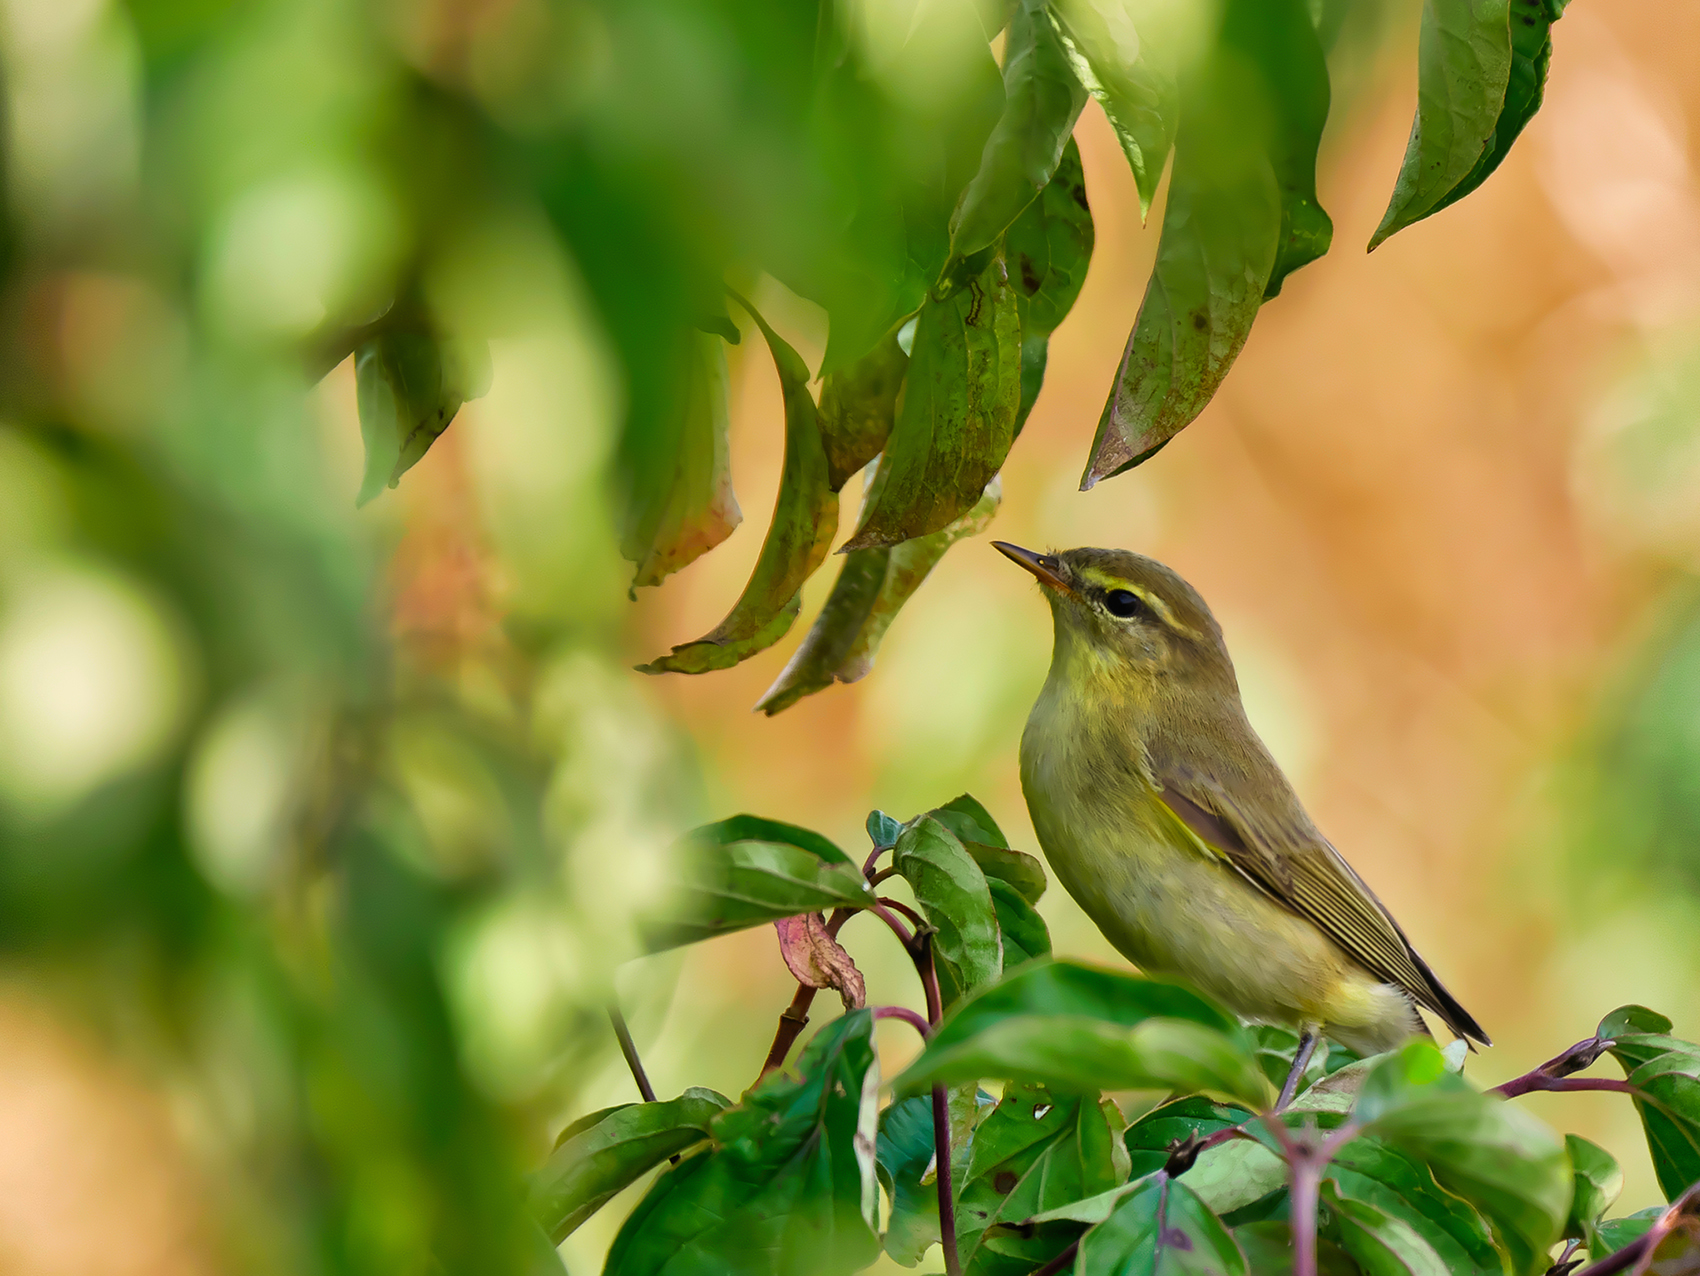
(321, 829)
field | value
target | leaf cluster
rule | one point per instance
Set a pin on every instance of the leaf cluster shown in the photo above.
(1033, 1066)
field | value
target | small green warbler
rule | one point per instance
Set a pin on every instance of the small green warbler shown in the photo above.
(1163, 814)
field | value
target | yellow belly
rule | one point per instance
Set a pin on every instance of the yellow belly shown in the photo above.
(1174, 909)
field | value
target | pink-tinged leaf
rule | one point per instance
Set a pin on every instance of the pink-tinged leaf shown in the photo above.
(818, 960)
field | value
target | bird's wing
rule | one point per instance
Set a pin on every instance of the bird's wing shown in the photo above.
(1292, 863)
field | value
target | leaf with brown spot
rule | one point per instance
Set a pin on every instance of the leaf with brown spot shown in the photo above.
(957, 416)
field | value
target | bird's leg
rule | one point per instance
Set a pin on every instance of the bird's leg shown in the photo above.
(1301, 1061)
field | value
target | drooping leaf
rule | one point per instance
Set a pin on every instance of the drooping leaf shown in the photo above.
(1160, 1229)
(872, 586)
(1024, 933)
(744, 872)
(675, 478)
(786, 1189)
(857, 407)
(895, 164)
(612, 1149)
(953, 896)
(1371, 1171)
(1076, 1053)
(1047, 987)
(1037, 1150)
(1048, 248)
(957, 418)
(1221, 232)
(817, 960)
(1138, 95)
(1042, 100)
(1278, 38)
(1670, 1115)
(1598, 1182)
(1497, 1157)
(1632, 1021)
(1231, 1177)
(1463, 69)
(1531, 52)
(1380, 1243)
(804, 520)
(409, 384)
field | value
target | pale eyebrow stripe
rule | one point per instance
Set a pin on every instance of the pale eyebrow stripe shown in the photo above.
(1106, 581)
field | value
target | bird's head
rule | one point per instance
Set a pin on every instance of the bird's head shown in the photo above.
(1125, 619)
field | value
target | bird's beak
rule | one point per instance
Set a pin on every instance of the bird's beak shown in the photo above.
(1044, 566)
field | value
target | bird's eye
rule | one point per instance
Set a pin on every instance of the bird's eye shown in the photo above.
(1123, 602)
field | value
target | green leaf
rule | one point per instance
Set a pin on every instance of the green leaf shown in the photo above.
(1042, 100)
(1037, 1150)
(1531, 51)
(613, 1149)
(734, 882)
(1598, 1183)
(957, 419)
(1139, 97)
(1278, 38)
(1151, 1136)
(1380, 1243)
(1048, 248)
(969, 820)
(408, 389)
(905, 1155)
(786, 1189)
(1670, 1115)
(1015, 869)
(1268, 1248)
(1076, 1053)
(1338, 1091)
(1023, 932)
(756, 828)
(1636, 1048)
(1614, 1233)
(1074, 988)
(1371, 1171)
(1160, 1229)
(1228, 1177)
(804, 520)
(952, 894)
(674, 476)
(883, 830)
(1463, 69)
(872, 587)
(1221, 232)
(1498, 1158)
(857, 407)
(1631, 1021)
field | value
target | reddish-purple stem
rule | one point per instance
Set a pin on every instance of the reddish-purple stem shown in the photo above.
(1535, 1082)
(908, 1016)
(1637, 1252)
(899, 906)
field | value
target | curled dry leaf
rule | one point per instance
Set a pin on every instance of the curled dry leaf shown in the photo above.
(818, 960)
